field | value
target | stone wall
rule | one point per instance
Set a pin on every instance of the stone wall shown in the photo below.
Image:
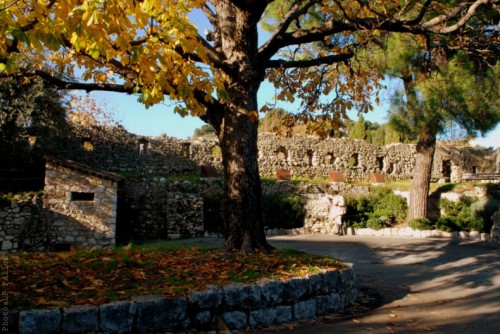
(16, 219)
(495, 229)
(114, 149)
(84, 202)
(233, 307)
(154, 209)
(451, 162)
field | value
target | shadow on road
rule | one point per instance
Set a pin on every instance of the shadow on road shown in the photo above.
(411, 285)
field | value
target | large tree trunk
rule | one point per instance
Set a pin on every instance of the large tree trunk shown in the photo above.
(242, 188)
(422, 176)
(237, 129)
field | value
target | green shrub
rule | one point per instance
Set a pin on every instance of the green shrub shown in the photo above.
(381, 202)
(447, 224)
(388, 204)
(469, 213)
(473, 224)
(421, 224)
(483, 210)
(375, 223)
(455, 209)
(283, 210)
(279, 210)
(356, 221)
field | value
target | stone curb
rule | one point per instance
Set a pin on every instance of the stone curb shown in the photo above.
(406, 232)
(235, 306)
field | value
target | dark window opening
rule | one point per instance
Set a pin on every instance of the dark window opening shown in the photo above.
(329, 159)
(82, 197)
(143, 146)
(474, 169)
(309, 157)
(186, 150)
(380, 163)
(390, 168)
(446, 168)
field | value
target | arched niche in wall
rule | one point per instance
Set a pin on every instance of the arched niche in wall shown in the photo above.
(380, 163)
(186, 150)
(216, 153)
(309, 159)
(329, 159)
(143, 144)
(446, 168)
(353, 160)
(282, 156)
(390, 168)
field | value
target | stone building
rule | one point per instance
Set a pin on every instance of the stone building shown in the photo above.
(84, 203)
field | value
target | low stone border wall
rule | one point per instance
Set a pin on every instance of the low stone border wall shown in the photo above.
(235, 306)
(409, 232)
(406, 232)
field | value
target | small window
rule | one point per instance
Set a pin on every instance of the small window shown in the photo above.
(380, 163)
(329, 159)
(309, 157)
(143, 146)
(282, 156)
(446, 168)
(474, 169)
(186, 150)
(82, 197)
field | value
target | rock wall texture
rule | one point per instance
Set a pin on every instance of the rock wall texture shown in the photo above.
(495, 229)
(235, 306)
(154, 209)
(84, 202)
(17, 219)
(114, 149)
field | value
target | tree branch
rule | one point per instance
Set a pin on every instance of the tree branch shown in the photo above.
(421, 14)
(328, 60)
(294, 12)
(432, 25)
(283, 39)
(210, 14)
(15, 41)
(69, 85)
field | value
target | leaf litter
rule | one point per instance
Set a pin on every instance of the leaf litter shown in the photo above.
(53, 280)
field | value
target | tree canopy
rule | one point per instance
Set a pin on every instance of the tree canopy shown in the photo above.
(440, 87)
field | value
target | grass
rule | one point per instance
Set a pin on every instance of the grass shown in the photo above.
(53, 280)
(8, 198)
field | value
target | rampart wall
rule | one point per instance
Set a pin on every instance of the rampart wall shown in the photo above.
(114, 149)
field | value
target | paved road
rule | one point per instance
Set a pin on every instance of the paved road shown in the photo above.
(424, 285)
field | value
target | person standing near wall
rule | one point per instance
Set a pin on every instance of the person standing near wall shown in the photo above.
(337, 209)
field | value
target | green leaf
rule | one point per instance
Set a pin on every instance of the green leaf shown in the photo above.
(80, 9)
(223, 94)
(21, 36)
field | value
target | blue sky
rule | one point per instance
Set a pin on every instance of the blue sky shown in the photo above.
(161, 118)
